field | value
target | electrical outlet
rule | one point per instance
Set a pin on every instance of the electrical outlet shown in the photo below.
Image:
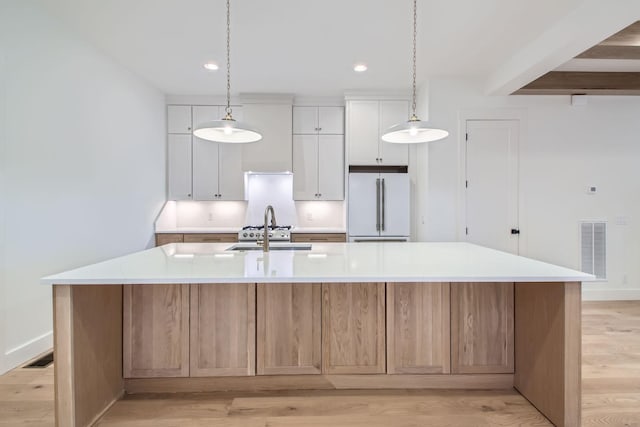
(309, 216)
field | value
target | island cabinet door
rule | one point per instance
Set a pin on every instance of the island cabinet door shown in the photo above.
(418, 328)
(223, 329)
(288, 323)
(155, 331)
(353, 328)
(482, 328)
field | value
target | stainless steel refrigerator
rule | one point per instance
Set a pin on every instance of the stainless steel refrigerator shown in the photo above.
(378, 206)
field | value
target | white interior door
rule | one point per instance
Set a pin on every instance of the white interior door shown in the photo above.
(492, 184)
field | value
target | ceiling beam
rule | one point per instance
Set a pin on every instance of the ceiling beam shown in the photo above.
(611, 52)
(590, 23)
(630, 36)
(579, 82)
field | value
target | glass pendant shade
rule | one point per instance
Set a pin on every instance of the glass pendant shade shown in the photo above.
(227, 131)
(413, 132)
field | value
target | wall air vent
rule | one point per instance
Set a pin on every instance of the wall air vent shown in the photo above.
(593, 236)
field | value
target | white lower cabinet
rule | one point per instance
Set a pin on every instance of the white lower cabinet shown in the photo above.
(318, 167)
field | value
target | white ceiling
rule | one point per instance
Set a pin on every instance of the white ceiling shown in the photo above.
(306, 47)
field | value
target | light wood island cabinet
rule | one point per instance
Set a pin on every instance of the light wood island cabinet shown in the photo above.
(223, 330)
(383, 324)
(418, 328)
(353, 328)
(482, 328)
(289, 338)
(155, 331)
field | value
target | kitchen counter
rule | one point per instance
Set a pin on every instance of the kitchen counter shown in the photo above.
(338, 316)
(332, 262)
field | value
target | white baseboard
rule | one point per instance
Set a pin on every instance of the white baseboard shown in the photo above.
(610, 294)
(16, 356)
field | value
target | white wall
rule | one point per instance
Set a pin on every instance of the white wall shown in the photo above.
(563, 150)
(82, 167)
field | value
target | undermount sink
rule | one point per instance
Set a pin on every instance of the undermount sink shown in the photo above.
(275, 246)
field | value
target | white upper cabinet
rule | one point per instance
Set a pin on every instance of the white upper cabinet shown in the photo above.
(305, 167)
(179, 165)
(205, 113)
(392, 113)
(367, 120)
(217, 167)
(318, 167)
(179, 119)
(331, 167)
(318, 120)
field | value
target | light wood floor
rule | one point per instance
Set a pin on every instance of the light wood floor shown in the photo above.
(610, 388)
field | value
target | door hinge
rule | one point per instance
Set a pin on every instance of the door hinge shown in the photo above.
(515, 231)
(466, 184)
(466, 136)
(466, 230)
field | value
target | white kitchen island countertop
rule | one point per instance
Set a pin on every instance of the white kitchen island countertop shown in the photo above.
(325, 262)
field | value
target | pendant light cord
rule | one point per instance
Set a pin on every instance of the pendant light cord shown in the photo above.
(415, 26)
(228, 109)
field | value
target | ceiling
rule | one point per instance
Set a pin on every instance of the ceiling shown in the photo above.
(307, 47)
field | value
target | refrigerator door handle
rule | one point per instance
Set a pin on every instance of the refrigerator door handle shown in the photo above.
(382, 203)
(377, 204)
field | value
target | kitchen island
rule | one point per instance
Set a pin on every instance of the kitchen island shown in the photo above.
(199, 317)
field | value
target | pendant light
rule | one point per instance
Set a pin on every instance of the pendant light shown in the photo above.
(227, 129)
(414, 130)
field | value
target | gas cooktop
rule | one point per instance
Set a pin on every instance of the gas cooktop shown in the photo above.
(252, 233)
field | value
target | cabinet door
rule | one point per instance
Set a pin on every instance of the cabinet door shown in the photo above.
(179, 119)
(330, 167)
(353, 328)
(211, 238)
(305, 120)
(418, 328)
(223, 330)
(363, 132)
(391, 113)
(179, 160)
(331, 120)
(230, 173)
(481, 328)
(205, 169)
(205, 113)
(319, 237)
(305, 167)
(289, 321)
(155, 331)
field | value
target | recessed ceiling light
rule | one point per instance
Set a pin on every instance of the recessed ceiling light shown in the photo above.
(211, 66)
(359, 68)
